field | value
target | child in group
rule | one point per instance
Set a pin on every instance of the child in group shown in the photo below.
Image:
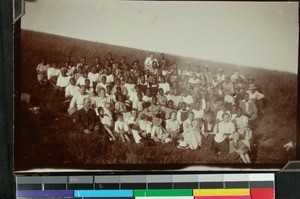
(134, 128)
(173, 126)
(183, 113)
(247, 135)
(121, 128)
(138, 104)
(120, 106)
(144, 125)
(158, 134)
(107, 121)
(237, 147)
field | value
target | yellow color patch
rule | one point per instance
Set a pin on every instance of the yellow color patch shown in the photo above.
(221, 192)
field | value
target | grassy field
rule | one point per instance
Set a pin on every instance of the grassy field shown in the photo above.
(49, 139)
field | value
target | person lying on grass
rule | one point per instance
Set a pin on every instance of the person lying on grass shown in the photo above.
(87, 120)
(121, 128)
(158, 133)
(106, 119)
(238, 147)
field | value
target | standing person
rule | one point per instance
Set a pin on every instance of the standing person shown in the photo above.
(87, 119)
(149, 63)
(41, 71)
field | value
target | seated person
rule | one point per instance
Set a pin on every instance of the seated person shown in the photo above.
(153, 86)
(106, 119)
(53, 73)
(240, 121)
(225, 127)
(188, 123)
(161, 98)
(133, 125)
(169, 109)
(81, 80)
(220, 113)
(173, 126)
(77, 100)
(198, 111)
(79, 73)
(121, 128)
(129, 85)
(156, 108)
(122, 87)
(175, 97)
(71, 89)
(144, 125)
(120, 106)
(62, 82)
(192, 136)
(94, 77)
(142, 84)
(89, 89)
(164, 85)
(183, 113)
(187, 98)
(103, 84)
(87, 120)
(133, 95)
(148, 96)
(221, 144)
(249, 108)
(238, 148)
(158, 134)
(101, 100)
(138, 104)
(256, 97)
(209, 124)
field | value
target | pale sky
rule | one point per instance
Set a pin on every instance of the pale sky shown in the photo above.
(250, 34)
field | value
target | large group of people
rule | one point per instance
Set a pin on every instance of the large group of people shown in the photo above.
(158, 101)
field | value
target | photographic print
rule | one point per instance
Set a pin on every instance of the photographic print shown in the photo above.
(118, 84)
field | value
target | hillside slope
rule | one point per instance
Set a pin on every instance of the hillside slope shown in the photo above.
(277, 126)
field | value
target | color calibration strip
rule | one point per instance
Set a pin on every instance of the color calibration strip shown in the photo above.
(185, 186)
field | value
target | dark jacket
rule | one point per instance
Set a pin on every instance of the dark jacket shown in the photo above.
(87, 119)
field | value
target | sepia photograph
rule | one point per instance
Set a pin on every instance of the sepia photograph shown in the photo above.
(130, 85)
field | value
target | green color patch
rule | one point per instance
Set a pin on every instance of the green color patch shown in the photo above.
(164, 192)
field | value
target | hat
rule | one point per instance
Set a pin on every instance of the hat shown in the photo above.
(63, 69)
(252, 86)
(220, 70)
(251, 77)
(183, 145)
(128, 103)
(157, 121)
(220, 137)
